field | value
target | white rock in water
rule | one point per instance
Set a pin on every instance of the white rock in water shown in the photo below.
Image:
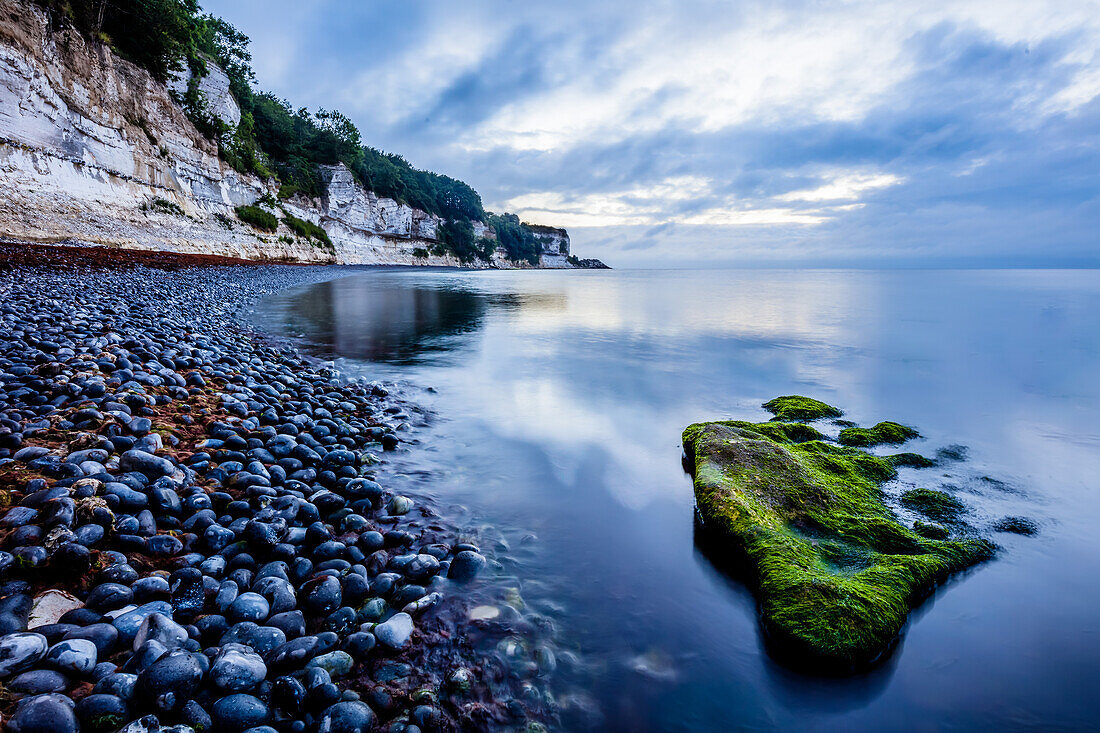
(50, 606)
(484, 613)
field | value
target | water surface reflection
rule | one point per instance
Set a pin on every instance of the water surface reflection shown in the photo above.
(562, 397)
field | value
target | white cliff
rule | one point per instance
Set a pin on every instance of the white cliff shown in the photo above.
(94, 149)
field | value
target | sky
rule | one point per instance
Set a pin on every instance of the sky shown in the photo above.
(683, 133)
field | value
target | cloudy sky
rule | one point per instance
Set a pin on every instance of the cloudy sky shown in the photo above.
(679, 132)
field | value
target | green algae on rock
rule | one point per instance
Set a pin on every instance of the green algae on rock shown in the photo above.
(797, 407)
(885, 433)
(912, 460)
(934, 504)
(931, 531)
(835, 574)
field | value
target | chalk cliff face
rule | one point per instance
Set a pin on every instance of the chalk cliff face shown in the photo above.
(93, 149)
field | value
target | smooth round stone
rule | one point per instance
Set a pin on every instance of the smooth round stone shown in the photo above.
(120, 684)
(347, 717)
(81, 617)
(466, 565)
(291, 623)
(141, 426)
(108, 596)
(104, 636)
(161, 628)
(239, 712)
(322, 596)
(421, 567)
(170, 682)
(21, 650)
(188, 592)
(399, 506)
(50, 713)
(372, 610)
(146, 463)
(146, 655)
(341, 621)
(237, 668)
(196, 716)
(163, 545)
(262, 639)
(395, 632)
(76, 656)
(278, 591)
(336, 663)
(249, 607)
(227, 593)
(120, 573)
(129, 622)
(153, 587)
(359, 644)
(102, 713)
(288, 695)
(371, 541)
(39, 681)
(484, 613)
(292, 655)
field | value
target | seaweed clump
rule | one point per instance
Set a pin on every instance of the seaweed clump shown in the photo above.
(913, 460)
(835, 574)
(934, 504)
(797, 407)
(885, 433)
(931, 531)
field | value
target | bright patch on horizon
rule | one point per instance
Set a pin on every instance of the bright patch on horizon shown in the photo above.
(844, 187)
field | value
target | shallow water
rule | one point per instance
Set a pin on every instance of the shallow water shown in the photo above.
(560, 397)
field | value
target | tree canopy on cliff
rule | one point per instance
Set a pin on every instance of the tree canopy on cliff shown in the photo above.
(167, 36)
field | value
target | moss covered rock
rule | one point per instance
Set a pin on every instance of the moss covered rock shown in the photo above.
(797, 407)
(835, 573)
(913, 460)
(885, 433)
(934, 504)
(931, 531)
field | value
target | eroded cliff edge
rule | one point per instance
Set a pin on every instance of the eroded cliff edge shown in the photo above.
(94, 149)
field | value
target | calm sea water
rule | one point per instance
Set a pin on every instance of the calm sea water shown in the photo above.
(559, 400)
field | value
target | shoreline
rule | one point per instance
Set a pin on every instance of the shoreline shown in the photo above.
(159, 452)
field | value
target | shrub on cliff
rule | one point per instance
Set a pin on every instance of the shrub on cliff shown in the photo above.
(307, 229)
(257, 218)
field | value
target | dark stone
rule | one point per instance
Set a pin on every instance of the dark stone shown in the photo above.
(102, 713)
(170, 682)
(50, 713)
(239, 712)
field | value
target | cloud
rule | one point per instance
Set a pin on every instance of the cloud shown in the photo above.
(700, 132)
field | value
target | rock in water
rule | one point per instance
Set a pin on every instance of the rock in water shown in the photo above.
(466, 565)
(835, 573)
